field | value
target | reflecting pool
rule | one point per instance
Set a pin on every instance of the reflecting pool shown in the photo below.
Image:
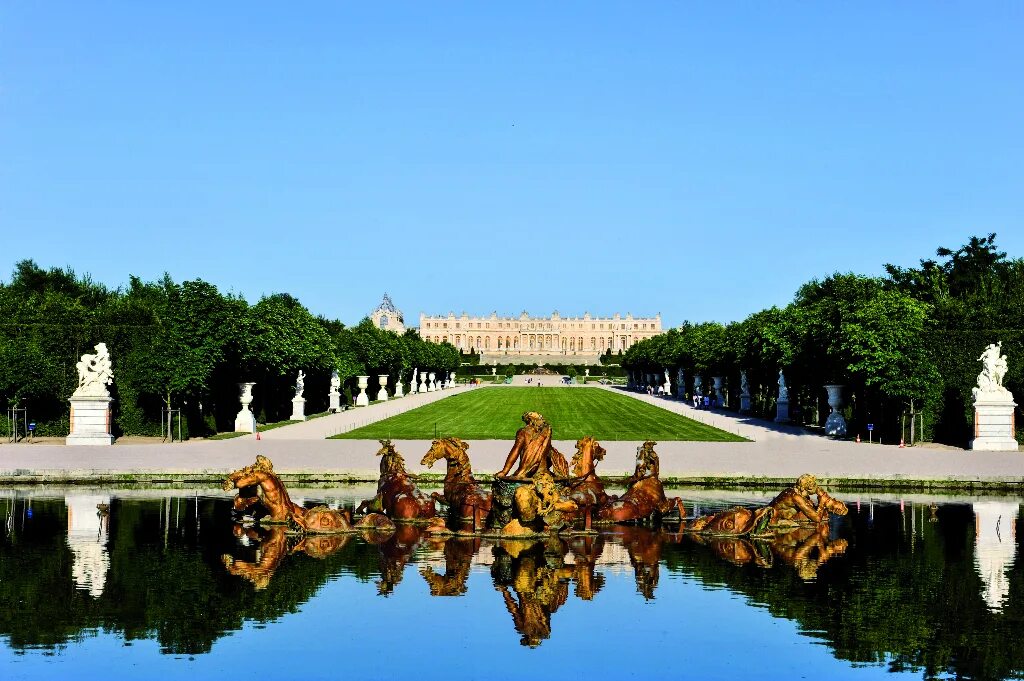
(161, 584)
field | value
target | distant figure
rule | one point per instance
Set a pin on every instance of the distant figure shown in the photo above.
(707, 402)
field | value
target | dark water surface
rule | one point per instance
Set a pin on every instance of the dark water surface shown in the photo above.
(165, 586)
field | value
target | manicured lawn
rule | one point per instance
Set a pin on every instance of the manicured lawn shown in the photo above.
(495, 414)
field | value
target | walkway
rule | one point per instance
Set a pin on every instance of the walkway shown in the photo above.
(776, 454)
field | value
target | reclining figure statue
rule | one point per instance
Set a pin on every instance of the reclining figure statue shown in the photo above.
(792, 507)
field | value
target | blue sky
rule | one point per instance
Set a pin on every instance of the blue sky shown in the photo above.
(701, 160)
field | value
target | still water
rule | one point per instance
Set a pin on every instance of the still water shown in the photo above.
(161, 584)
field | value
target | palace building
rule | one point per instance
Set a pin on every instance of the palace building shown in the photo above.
(527, 339)
(388, 317)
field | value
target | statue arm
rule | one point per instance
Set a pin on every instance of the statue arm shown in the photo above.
(806, 507)
(514, 454)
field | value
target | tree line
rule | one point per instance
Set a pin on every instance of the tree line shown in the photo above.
(184, 346)
(906, 343)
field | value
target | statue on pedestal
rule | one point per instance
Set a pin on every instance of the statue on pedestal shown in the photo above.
(783, 390)
(993, 369)
(300, 384)
(645, 495)
(94, 374)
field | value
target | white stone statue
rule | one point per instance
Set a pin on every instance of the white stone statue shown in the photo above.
(783, 390)
(94, 374)
(333, 395)
(300, 384)
(335, 381)
(744, 383)
(667, 387)
(412, 383)
(993, 369)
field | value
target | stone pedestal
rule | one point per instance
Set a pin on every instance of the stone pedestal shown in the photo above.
(245, 422)
(334, 401)
(90, 421)
(362, 399)
(745, 403)
(382, 381)
(994, 423)
(835, 424)
(298, 409)
(782, 411)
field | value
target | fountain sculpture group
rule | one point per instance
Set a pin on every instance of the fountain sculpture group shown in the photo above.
(536, 494)
(538, 509)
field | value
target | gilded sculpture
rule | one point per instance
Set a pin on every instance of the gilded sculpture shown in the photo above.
(796, 505)
(465, 498)
(397, 497)
(261, 492)
(645, 495)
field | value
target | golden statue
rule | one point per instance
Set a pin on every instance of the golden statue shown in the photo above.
(397, 497)
(791, 507)
(531, 500)
(645, 496)
(465, 498)
(534, 452)
(261, 490)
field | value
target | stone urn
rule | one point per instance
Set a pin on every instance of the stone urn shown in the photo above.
(382, 381)
(399, 390)
(423, 382)
(719, 390)
(451, 380)
(245, 422)
(431, 382)
(362, 399)
(494, 371)
(835, 424)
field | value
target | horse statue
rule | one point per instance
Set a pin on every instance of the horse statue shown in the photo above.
(397, 495)
(261, 490)
(585, 488)
(791, 508)
(645, 496)
(463, 495)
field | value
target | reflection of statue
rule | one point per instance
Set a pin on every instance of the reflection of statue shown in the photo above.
(645, 495)
(94, 373)
(458, 559)
(300, 384)
(644, 549)
(804, 548)
(260, 489)
(540, 580)
(463, 495)
(792, 506)
(993, 369)
(783, 390)
(397, 495)
(533, 450)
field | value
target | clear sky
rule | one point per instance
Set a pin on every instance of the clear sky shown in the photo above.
(701, 160)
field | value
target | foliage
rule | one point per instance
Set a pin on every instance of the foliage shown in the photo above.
(908, 341)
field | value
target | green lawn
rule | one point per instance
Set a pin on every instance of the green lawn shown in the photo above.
(495, 414)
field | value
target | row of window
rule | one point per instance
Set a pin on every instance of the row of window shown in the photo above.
(533, 326)
(546, 342)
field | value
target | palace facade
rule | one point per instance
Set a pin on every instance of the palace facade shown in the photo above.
(526, 338)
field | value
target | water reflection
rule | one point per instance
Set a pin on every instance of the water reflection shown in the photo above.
(995, 547)
(925, 585)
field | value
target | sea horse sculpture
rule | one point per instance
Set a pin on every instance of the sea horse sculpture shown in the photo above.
(792, 507)
(260, 489)
(585, 488)
(645, 495)
(463, 495)
(398, 497)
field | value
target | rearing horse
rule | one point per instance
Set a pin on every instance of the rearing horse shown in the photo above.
(397, 495)
(462, 493)
(585, 488)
